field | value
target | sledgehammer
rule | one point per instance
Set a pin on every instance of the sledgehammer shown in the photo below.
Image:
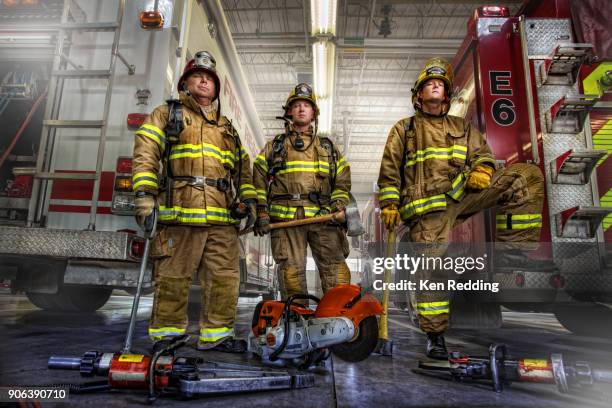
(384, 345)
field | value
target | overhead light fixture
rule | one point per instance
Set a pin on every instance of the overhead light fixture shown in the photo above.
(324, 61)
(323, 17)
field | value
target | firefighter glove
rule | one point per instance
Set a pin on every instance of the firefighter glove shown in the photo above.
(145, 203)
(480, 177)
(390, 217)
(262, 225)
(337, 206)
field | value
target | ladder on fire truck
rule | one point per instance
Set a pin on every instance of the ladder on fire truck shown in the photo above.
(73, 21)
(570, 159)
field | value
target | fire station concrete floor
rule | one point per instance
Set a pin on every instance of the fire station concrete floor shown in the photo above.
(28, 336)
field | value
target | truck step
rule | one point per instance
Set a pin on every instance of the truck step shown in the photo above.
(575, 167)
(562, 65)
(580, 222)
(568, 114)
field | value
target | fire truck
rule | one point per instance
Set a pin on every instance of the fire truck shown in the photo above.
(77, 79)
(539, 85)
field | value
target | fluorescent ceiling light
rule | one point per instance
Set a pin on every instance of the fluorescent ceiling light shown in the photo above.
(324, 58)
(323, 17)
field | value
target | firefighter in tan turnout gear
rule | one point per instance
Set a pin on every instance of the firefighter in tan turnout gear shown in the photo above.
(204, 189)
(300, 175)
(437, 170)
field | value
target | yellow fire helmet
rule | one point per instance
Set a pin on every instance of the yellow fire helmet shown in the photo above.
(304, 92)
(437, 68)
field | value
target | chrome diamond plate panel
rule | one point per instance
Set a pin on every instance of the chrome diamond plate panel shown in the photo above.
(65, 243)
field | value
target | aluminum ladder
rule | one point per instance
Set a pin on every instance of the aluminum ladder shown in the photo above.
(61, 72)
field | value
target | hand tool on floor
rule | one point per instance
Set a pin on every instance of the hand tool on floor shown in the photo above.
(384, 345)
(344, 322)
(502, 370)
(149, 229)
(349, 217)
(165, 374)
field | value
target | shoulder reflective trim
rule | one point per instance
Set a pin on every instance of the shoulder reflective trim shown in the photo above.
(144, 178)
(260, 160)
(518, 221)
(387, 193)
(337, 193)
(163, 332)
(195, 215)
(454, 151)
(433, 308)
(215, 334)
(423, 205)
(154, 133)
(457, 187)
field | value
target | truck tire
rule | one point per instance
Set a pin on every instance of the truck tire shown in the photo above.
(585, 318)
(72, 299)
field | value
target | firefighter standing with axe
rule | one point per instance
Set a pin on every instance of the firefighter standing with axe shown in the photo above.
(301, 175)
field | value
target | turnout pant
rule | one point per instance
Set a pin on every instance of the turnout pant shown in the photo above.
(180, 251)
(329, 248)
(518, 193)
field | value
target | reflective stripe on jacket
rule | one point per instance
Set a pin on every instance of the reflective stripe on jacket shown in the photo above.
(440, 151)
(304, 172)
(204, 149)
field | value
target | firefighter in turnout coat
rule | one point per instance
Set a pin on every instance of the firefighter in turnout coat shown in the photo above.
(204, 189)
(300, 175)
(437, 170)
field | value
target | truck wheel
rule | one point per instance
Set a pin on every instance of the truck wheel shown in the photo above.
(72, 299)
(585, 318)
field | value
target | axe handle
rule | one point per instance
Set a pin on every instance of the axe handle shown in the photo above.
(383, 328)
(337, 216)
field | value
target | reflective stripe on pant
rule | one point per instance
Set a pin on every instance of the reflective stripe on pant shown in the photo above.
(180, 251)
(329, 248)
(518, 193)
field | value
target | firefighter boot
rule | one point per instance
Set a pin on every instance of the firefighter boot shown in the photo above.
(436, 348)
(226, 345)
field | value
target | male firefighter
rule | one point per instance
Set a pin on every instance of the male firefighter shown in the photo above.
(204, 190)
(437, 170)
(300, 175)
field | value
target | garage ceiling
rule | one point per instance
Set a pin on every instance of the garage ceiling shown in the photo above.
(381, 46)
